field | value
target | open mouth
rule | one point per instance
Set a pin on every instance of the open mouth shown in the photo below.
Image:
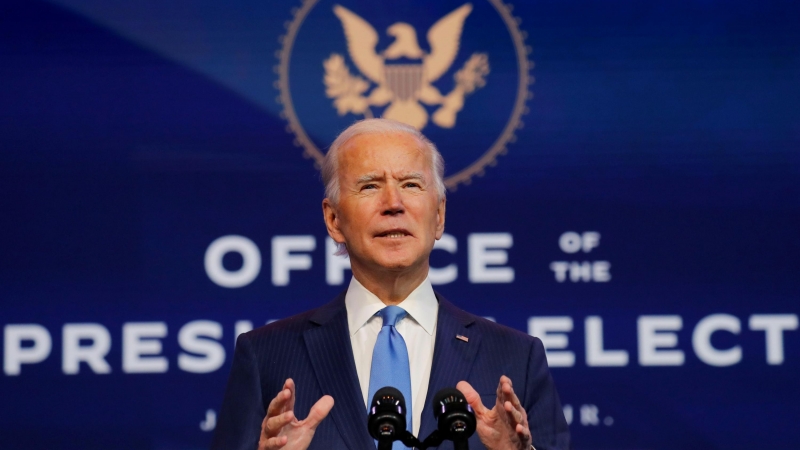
(394, 234)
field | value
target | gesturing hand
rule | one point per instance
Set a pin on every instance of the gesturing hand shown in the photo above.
(281, 429)
(505, 426)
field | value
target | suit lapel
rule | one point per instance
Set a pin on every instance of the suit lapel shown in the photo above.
(331, 355)
(452, 357)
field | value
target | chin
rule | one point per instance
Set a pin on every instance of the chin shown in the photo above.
(397, 261)
(395, 265)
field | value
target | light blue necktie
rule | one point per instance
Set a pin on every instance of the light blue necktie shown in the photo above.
(390, 362)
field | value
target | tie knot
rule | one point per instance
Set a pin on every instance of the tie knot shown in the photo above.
(391, 314)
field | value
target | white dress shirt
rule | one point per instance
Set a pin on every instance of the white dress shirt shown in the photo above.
(418, 329)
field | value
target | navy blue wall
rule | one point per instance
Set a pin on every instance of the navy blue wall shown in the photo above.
(132, 136)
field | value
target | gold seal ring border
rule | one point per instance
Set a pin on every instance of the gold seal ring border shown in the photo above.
(489, 158)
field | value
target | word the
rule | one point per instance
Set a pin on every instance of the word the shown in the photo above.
(575, 271)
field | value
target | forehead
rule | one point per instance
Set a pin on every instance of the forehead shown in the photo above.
(383, 152)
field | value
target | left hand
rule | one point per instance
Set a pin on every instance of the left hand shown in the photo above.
(281, 430)
(505, 426)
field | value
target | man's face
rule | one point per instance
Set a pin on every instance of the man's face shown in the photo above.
(388, 213)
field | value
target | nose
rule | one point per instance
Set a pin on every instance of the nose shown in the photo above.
(392, 201)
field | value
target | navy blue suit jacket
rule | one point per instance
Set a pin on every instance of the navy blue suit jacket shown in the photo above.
(313, 348)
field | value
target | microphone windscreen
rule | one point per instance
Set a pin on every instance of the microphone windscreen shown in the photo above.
(444, 396)
(456, 420)
(389, 392)
(386, 420)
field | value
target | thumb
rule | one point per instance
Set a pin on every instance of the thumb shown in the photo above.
(472, 396)
(319, 411)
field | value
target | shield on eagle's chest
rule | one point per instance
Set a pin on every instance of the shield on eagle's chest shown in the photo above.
(404, 80)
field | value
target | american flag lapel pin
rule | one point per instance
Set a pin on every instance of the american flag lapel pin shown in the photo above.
(462, 338)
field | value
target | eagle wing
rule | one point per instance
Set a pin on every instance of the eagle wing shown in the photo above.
(444, 38)
(361, 42)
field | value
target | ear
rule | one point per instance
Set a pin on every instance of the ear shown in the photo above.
(331, 216)
(440, 212)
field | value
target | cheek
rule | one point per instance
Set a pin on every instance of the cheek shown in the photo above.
(432, 217)
(357, 229)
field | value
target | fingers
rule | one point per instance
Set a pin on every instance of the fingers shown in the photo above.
(272, 425)
(472, 396)
(511, 397)
(524, 434)
(505, 389)
(272, 443)
(281, 426)
(289, 384)
(319, 411)
(501, 397)
(284, 401)
(506, 392)
(277, 405)
(514, 415)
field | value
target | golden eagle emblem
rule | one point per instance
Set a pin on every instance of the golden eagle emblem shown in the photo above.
(402, 75)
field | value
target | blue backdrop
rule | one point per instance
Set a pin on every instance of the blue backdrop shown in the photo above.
(623, 184)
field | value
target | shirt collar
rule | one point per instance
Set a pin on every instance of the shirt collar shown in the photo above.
(361, 304)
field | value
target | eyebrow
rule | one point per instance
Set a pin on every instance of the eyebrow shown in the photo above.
(368, 178)
(412, 176)
(375, 177)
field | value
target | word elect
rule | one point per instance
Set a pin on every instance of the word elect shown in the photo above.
(657, 339)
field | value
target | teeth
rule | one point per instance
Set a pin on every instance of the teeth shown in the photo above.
(394, 235)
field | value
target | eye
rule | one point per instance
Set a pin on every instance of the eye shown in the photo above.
(369, 186)
(412, 184)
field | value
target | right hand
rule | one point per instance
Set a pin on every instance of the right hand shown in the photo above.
(505, 426)
(281, 429)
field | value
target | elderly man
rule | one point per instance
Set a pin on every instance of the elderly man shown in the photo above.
(385, 207)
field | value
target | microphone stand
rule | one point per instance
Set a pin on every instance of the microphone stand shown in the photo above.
(461, 444)
(435, 439)
(408, 439)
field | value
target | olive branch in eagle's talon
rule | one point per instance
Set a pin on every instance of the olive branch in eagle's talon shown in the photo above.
(344, 88)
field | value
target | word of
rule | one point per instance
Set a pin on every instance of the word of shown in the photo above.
(575, 271)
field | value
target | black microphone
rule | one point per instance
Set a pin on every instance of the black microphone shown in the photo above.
(456, 419)
(387, 417)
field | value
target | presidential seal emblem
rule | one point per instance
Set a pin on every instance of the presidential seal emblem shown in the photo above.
(465, 85)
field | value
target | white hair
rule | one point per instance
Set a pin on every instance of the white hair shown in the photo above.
(330, 166)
